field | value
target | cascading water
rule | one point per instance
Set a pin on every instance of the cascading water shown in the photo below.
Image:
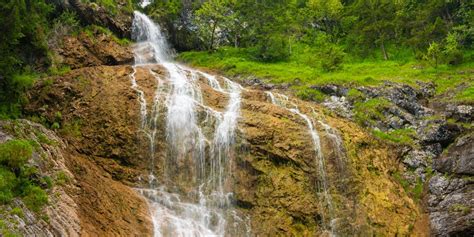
(284, 102)
(193, 198)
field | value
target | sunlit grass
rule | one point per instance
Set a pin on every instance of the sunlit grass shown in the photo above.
(304, 67)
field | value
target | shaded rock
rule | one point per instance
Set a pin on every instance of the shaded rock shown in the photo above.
(459, 158)
(427, 89)
(451, 206)
(332, 89)
(437, 131)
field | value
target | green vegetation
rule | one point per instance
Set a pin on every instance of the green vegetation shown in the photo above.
(464, 210)
(370, 111)
(18, 178)
(30, 28)
(313, 42)
(399, 136)
(24, 34)
(114, 6)
(303, 67)
(415, 190)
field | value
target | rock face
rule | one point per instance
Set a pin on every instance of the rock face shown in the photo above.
(447, 174)
(89, 203)
(91, 50)
(91, 13)
(274, 174)
(451, 197)
(61, 216)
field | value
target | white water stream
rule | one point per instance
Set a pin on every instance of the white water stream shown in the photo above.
(284, 102)
(204, 207)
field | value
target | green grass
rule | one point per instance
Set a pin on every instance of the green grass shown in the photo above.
(369, 112)
(398, 136)
(304, 67)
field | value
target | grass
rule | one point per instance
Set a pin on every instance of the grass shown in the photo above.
(304, 68)
(398, 136)
(370, 111)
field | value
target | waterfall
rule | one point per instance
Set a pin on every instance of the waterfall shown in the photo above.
(284, 102)
(193, 196)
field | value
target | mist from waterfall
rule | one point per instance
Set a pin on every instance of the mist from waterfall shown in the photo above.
(197, 160)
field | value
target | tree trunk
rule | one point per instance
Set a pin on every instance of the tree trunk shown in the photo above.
(384, 52)
(211, 44)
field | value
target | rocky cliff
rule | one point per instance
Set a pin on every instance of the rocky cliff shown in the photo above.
(274, 175)
(92, 114)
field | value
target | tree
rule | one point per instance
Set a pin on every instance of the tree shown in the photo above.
(211, 17)
(325, 14)
(375, 23)
(22, 43)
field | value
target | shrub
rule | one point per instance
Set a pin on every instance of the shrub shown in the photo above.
(34, 197)
(275, 48)
(310, 94)
(451, 52)
(7, 184)
(332, 57)
(15, 153)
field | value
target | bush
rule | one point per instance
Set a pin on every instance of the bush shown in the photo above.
(15, 153)
(332, 58)
(7, 184)
(310, 94)
(35, 198)
(451, 52)
(274, 48)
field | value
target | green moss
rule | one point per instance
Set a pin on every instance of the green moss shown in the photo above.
(415, 190)
(369, 112)
(18, 178)
(355, 95)
(310, 94)
(61, 178)
(89, 31)
(464, 210)
(7, 184)
(18, 212)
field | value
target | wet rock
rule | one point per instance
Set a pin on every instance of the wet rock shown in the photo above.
(459, 158)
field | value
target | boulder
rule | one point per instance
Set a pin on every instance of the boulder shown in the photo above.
(459, 158)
